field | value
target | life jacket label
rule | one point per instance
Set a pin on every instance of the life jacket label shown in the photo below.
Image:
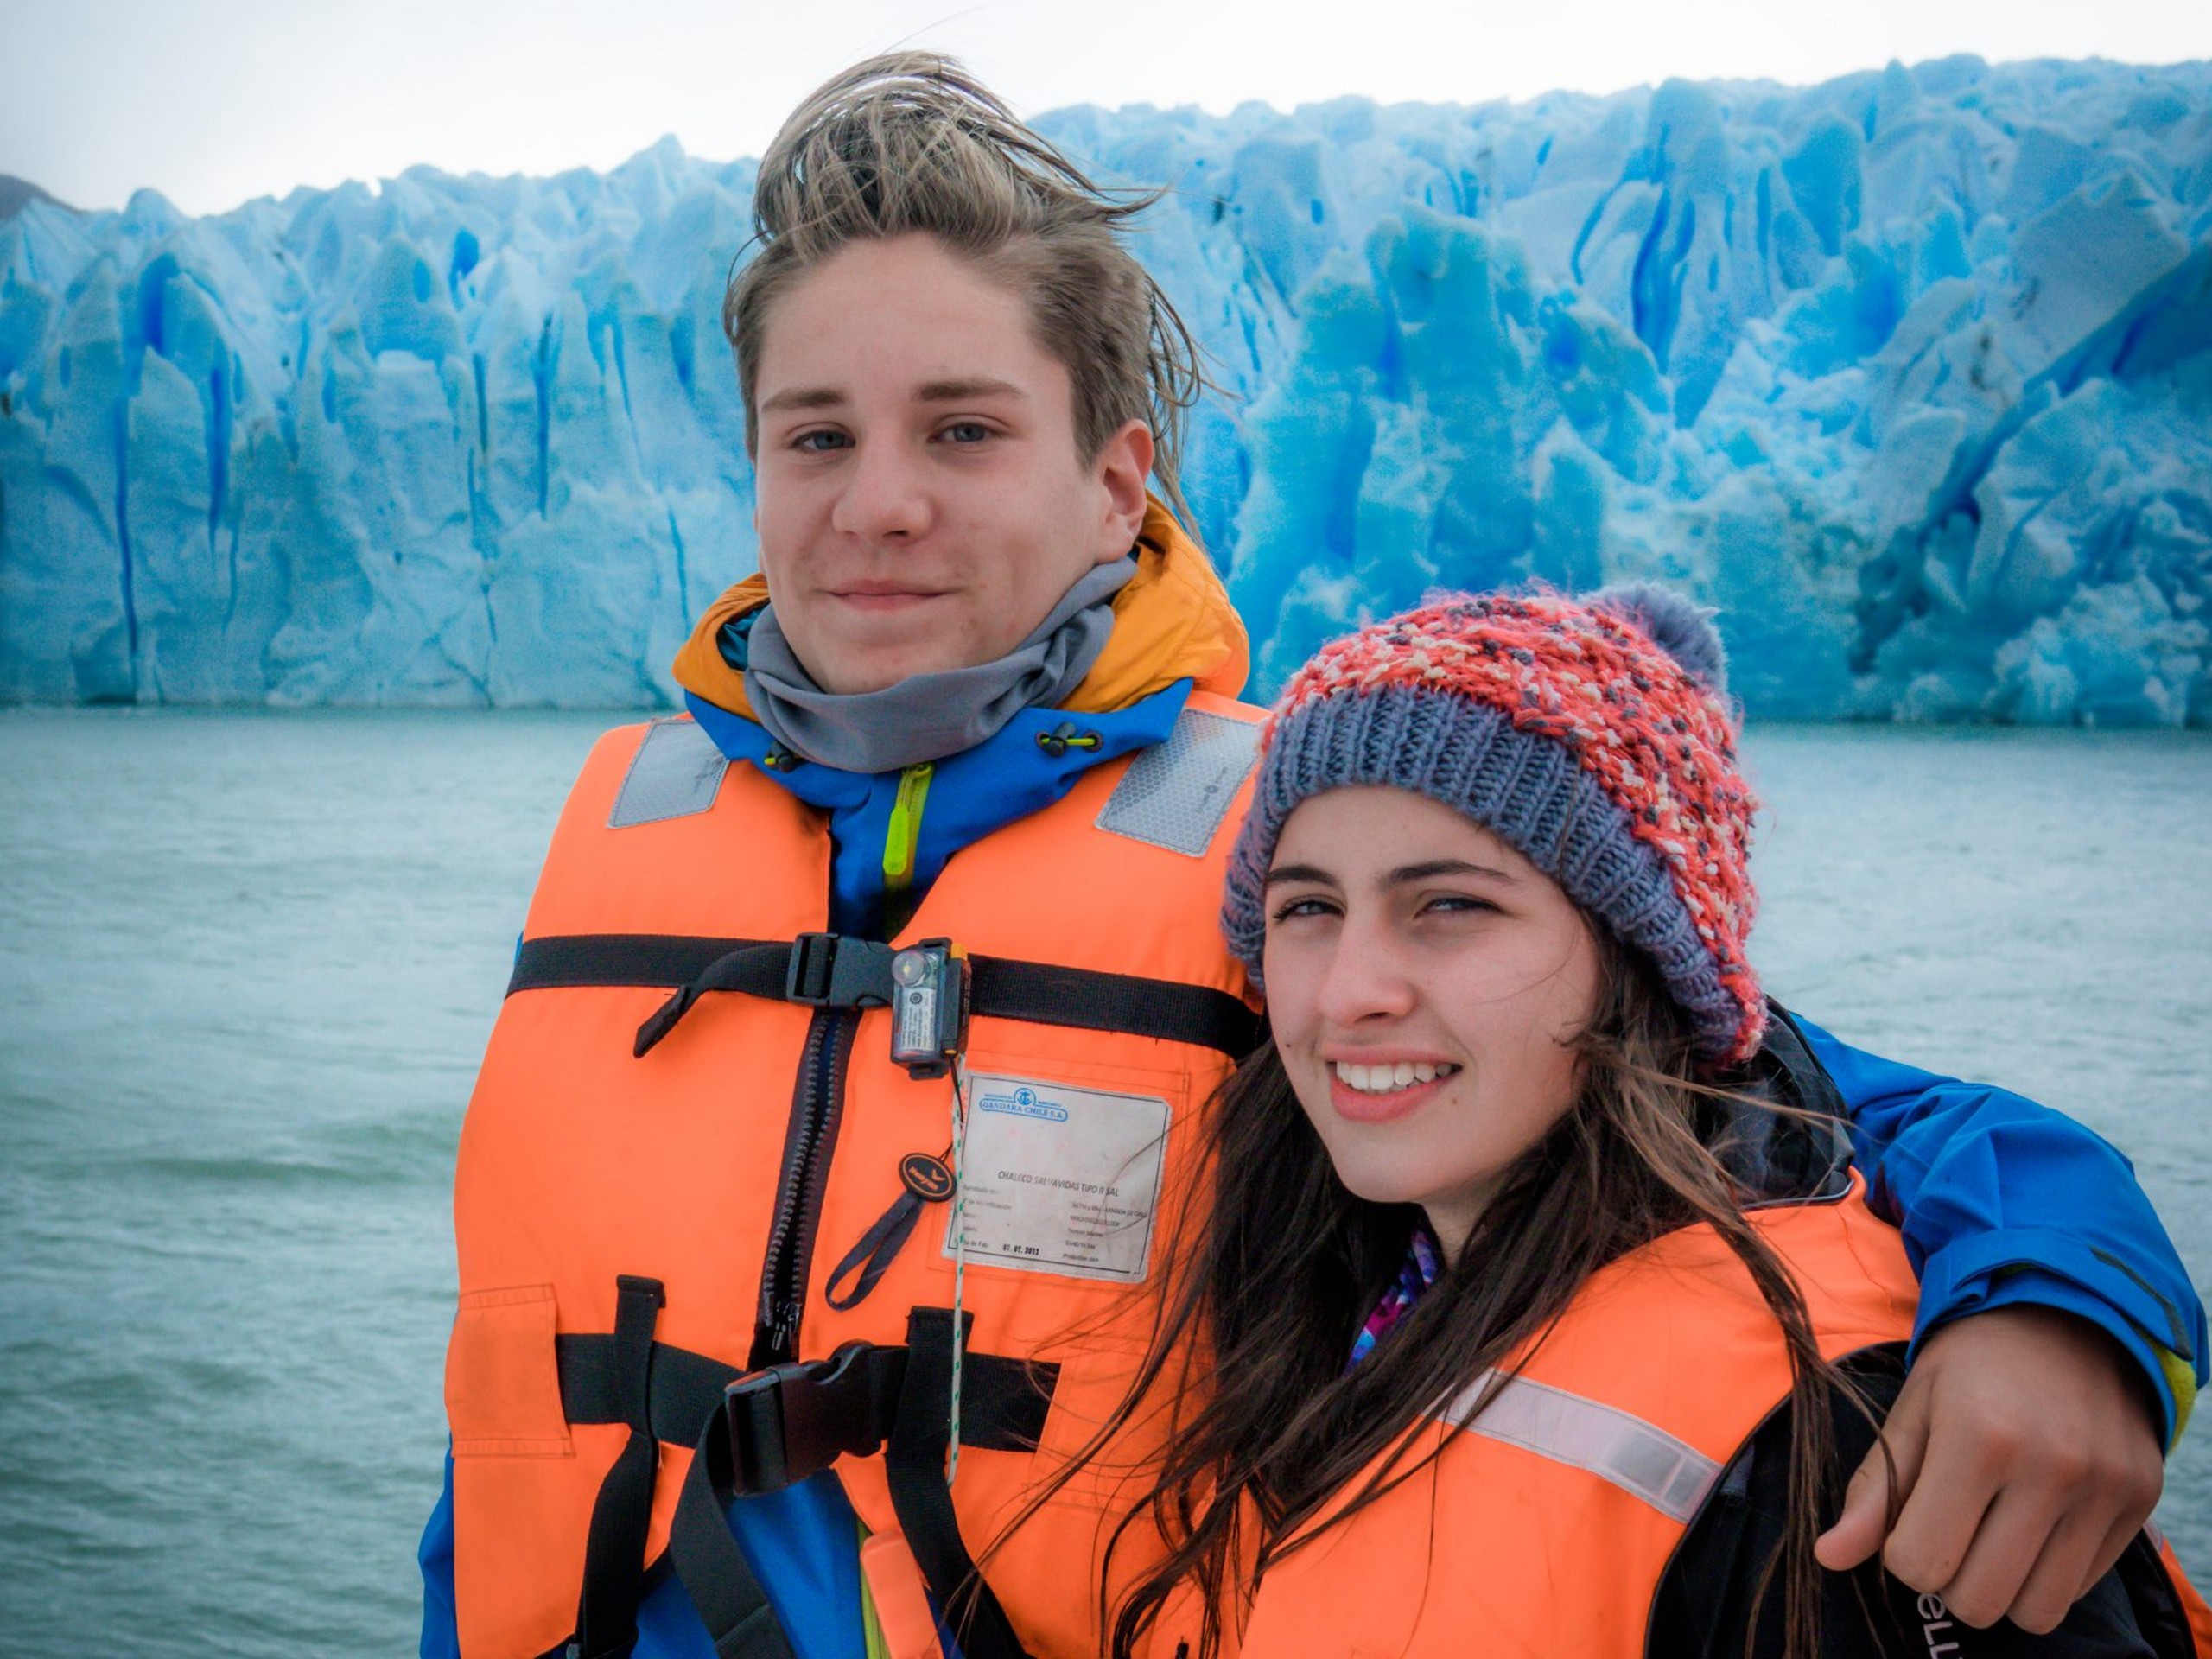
(1060, 1179)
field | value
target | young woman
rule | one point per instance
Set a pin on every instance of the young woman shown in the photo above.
(1530, 1327)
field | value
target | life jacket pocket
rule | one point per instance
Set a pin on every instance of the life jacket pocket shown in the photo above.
(503, 1381)
(1095, 1375)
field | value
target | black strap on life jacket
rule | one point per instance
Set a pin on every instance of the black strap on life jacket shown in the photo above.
(614, 1549)
(913, 1464)
(783, 1424)
(730, 1600)
(784, 1411)
(684, 1388)
(839, 970)
(922, 1181)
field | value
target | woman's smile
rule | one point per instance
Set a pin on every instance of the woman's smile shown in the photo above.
(1377, 1090)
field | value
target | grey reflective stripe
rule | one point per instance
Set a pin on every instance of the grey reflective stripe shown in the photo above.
(677, 772)
(1641, 1459)
(1175, 794)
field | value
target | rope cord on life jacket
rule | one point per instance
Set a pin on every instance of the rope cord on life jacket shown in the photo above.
(959, 1258)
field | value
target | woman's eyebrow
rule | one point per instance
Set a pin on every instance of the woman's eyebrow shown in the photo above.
(1283, 872)
(1446, 867)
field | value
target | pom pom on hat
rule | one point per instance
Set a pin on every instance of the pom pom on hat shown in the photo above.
(1678, 626)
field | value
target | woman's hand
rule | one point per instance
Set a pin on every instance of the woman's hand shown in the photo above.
(2027, 1456)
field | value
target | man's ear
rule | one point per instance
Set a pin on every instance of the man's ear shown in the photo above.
(1123, 464)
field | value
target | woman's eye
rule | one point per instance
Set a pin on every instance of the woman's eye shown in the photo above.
(1292, 909)
(1457, 904)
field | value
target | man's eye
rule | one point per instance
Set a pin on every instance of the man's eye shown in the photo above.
(965, 432)
(816, 443)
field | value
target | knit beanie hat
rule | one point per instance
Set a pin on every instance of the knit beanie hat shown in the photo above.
(1594, 736)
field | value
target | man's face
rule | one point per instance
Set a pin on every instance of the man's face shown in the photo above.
(921, 502)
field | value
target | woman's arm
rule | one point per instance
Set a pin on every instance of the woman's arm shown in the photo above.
(1711, 1594)
(2002, 1202)
(2058, 1346)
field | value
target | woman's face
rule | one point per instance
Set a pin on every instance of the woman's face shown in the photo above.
(1425, 983)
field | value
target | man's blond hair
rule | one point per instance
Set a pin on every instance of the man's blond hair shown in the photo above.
(910, 142)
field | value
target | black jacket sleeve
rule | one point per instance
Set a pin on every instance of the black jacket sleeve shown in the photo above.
(1710, 1597)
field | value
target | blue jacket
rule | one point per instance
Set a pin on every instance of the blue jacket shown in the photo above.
(2000, 1201)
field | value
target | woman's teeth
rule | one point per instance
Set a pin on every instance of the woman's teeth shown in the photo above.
(1383, 1079)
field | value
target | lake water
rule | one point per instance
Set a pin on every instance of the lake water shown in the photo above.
(247, 962)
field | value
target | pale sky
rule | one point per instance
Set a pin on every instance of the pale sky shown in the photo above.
(215, 101)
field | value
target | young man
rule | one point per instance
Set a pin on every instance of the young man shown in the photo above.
(860, 1019)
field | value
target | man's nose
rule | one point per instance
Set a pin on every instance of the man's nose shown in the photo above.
(884, 498)
(1369, 977)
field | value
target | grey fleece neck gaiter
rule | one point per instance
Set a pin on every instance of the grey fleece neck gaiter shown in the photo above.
(929, 717)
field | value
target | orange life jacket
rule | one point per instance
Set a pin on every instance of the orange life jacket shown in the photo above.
(637, 1229)
(1545, 1522)
(2193, 1610)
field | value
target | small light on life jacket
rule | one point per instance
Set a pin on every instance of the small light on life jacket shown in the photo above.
(929, 1008)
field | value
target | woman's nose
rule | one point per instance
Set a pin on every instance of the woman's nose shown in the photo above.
(1368, 977)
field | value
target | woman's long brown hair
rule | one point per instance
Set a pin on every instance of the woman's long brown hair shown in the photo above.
(1277, 1265)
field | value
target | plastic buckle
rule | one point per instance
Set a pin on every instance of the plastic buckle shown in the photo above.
(830, 971)
(814, 959)
(791, 1421)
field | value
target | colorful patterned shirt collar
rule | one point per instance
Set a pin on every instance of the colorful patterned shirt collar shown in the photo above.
(1415, 1274)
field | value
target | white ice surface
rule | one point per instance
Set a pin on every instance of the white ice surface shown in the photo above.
(1911, 373)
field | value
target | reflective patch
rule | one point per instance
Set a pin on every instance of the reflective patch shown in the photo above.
(1641, 1459)
(1175, 794)
(676, 772)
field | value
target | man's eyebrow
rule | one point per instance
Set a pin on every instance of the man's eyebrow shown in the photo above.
(958, 391)
(961, 390)
(803, 397)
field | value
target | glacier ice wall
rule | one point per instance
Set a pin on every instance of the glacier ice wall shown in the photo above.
(1911, 373)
